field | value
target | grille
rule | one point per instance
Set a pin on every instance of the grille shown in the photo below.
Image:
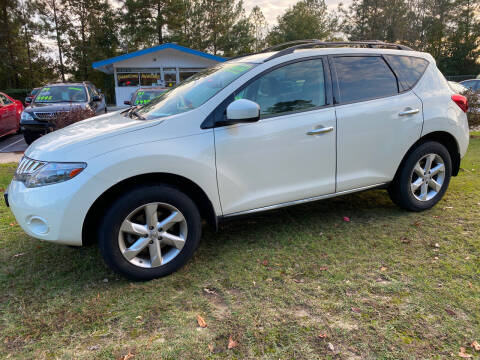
(27, 166)
(48, 115)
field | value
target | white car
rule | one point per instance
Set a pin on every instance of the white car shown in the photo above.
(309, 122)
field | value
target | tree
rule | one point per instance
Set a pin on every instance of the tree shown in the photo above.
(307, 19)
(258, 28)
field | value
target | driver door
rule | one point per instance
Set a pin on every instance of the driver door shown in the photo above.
(289, 154)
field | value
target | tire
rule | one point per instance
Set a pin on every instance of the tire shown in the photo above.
(30, 136)
(116, 236)
(408, 188)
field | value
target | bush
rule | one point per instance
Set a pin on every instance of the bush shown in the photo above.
(473, 115)
(75, 114)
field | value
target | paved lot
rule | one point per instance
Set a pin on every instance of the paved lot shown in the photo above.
(12, 143)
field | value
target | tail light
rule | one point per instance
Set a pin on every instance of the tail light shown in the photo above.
(461, 101)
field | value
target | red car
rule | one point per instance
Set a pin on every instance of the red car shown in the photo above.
(10, 111)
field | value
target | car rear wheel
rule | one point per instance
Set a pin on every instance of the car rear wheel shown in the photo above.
(150, 232)
(30, 136)
(423, 178)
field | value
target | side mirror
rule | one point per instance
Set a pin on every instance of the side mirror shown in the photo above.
(242, 111)
(99, 90)
(96, 98)
(28, 100)
(127, 102)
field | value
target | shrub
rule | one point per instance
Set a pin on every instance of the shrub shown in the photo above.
(473, 115)
(75, 114)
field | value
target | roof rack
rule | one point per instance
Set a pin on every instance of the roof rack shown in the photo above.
(303, 44)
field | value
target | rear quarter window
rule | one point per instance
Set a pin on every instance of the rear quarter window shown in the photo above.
(362, 78)
(408, 69)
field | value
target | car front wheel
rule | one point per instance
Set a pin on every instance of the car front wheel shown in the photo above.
(150, 232)
(423, 178)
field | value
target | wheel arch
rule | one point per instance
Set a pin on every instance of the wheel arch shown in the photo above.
(191, 189)
(444, 138)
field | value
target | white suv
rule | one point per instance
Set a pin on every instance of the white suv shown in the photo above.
(309, 122)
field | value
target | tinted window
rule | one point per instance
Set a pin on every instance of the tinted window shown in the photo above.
(408, 69)
(363, 78)
(61, 93)
(294, 87)
(6, 101)
(471, 84)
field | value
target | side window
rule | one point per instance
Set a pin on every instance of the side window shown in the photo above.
(294, 87)
(91, 92)
(472, 85)
(362, 78)
(6, 101)
(408, 69)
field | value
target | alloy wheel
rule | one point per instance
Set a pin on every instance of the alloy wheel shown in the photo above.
(427, 177)
(152, 235)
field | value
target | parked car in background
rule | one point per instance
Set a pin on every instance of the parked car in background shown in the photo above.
(54, 99)
(10, 111)
(255, 133)
(145, 95)
(31, 95)
(472, 84)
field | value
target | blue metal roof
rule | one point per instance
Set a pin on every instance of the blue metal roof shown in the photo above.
(134, 54)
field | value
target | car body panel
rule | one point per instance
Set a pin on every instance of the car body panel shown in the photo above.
(373, 139)
(9, 114)
(258, 165)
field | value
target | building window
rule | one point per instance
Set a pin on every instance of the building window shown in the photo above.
(149, 79)
(186, 73)
(127, 79)
(170, 76)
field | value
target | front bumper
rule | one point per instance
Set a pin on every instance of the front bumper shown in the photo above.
(35, 125)
(54, 212)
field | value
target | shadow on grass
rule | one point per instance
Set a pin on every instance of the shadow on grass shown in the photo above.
(46, 266)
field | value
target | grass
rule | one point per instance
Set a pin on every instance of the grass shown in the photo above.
(389, 284)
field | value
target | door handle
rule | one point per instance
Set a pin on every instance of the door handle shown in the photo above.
(320, 131)
(409, 112)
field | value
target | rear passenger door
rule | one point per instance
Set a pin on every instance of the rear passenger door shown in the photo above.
(378, 116)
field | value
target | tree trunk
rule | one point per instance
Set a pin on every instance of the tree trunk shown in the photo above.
(59, 45)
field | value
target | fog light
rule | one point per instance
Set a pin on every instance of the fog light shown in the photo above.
(37, 225)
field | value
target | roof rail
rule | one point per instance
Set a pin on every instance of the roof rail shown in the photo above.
(303, 44)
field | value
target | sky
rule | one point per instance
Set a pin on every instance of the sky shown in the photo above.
(273, 8)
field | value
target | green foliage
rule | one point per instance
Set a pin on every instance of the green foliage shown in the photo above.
(307, 19)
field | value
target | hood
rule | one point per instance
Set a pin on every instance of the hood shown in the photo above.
(55, 145)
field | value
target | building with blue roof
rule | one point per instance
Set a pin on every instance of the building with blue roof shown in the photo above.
(163, 65)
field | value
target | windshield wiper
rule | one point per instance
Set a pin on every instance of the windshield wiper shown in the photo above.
(133, 111)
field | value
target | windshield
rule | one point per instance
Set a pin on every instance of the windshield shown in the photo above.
(145, 96)
(194, 91)
(62, 93)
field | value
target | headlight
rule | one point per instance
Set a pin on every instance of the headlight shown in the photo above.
(35, 173)
(26, 116)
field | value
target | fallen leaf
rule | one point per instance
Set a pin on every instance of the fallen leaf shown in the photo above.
(298, 281)
(211, 347)
(417, 223)
(208, 291)
(330, 347)
(13, 224)
(355, 309)
(470, 285)
(346, 218)
(323, 268)
(475, 345)
(463, 354)
(437, 245)
(232, 343)
(18, 255)
(2, 189)
(450, 312)
(322, 336)
(383, 268)
(201, 321)
(128, 356)
(406, 241)
(265, 262)
(105, 280)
